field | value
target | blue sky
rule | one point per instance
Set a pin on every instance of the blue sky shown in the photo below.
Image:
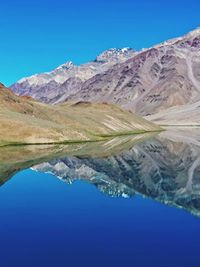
(39, 35)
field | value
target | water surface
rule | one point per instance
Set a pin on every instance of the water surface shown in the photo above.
(132, 201)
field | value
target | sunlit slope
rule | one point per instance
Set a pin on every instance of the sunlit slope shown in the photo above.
(188, 115)
(23, 120)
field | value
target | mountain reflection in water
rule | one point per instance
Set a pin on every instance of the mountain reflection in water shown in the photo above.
(164, 167)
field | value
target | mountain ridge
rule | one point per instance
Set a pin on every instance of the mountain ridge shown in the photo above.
(68, 76)
(148, 82)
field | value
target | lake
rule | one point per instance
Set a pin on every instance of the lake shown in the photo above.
(128, 201)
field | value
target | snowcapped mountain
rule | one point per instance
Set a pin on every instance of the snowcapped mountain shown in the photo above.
(146, 82)
(57, 85)
(154, 80)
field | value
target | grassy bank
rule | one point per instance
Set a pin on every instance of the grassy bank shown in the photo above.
(99, 138)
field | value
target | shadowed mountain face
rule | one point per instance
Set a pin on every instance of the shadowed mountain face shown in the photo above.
(148, 82)
(165, 167)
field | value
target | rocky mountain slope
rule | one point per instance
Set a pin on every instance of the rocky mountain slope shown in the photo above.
(148, 82)
(23, 120)
(158, 78)
(56, 86)
(188, 115)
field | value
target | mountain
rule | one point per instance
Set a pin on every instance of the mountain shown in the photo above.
(153, 80)
(24, 120)
(147, 83)
(67, 79)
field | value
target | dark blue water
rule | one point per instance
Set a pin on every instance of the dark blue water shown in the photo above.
(45, 222)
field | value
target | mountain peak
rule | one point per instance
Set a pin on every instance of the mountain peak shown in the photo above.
(66, 65)
(113, 53)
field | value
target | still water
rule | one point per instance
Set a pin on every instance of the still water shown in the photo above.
(130, 201)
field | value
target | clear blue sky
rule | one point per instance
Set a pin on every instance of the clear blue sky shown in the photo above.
(39, 35)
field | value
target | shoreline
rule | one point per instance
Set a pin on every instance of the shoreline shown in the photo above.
(68, 142)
